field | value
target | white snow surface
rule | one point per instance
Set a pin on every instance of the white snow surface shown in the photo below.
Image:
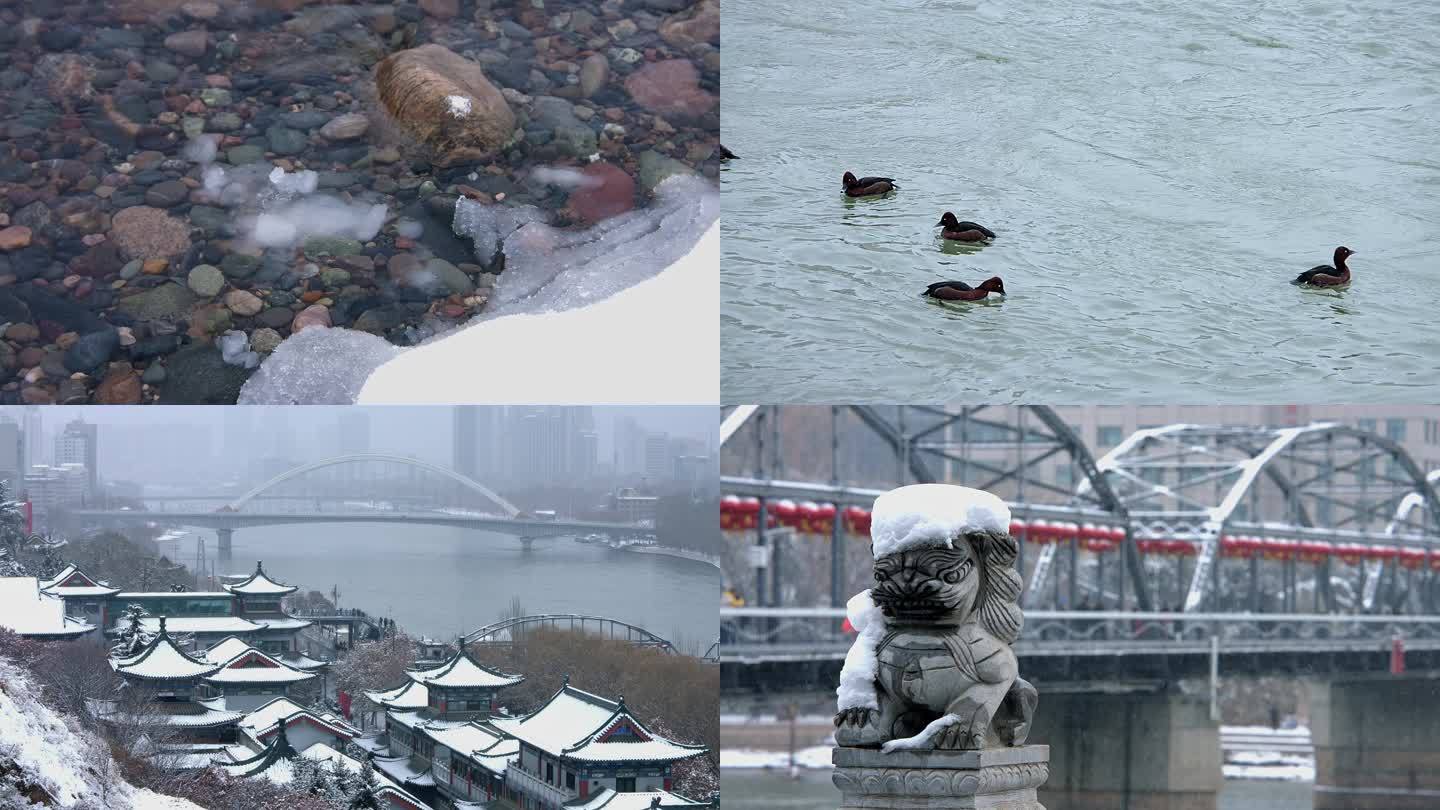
(857, 676)
(922, 740)
(924, 515)
(459, 106)
(601, 288)
(58, 756)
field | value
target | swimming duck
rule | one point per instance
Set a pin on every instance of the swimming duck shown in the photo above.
(960, 291)
(1325, 275)
(963, 230)
(867, 186)
(726, 154)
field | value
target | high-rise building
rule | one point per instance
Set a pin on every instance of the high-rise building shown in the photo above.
(79, 444)
(12, 455)
(657, 456)
(551, 443)
(354, 431)
(32, 426)
(629, 450)
(478, 449)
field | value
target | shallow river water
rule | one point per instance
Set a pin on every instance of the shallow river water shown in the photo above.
(1156, 172)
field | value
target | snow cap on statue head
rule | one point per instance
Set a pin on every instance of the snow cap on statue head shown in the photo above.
(932, 515)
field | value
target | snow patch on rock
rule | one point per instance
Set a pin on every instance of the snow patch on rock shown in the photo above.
(459, 106)
(857, 676)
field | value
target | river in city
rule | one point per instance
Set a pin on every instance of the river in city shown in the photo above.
(442, 581)
(772, 790)
(1157, 174)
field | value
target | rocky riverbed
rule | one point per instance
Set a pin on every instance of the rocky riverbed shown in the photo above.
(124, 280)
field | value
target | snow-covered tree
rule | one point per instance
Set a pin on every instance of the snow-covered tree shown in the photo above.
(133, 636)
(366, 796)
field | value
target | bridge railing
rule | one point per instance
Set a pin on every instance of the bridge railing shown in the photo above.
(761, 634)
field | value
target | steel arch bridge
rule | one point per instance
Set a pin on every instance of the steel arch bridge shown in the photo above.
(469, 483)
(511, 631)
(1198, 483)
(928, 442)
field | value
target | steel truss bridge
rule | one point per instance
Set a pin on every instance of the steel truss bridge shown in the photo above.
(1215, 520)
(256, 508)
(512, 631)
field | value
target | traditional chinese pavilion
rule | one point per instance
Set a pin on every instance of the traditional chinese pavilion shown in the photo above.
(258, 599)
(249, 678)
(170, 679)
(579, 744)
(86, 598)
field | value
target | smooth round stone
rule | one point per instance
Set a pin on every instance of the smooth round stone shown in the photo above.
(224, 122)
(285, 141)
(215, 96)
(345, 127)
(206, 280)
(208, 217)
(238, 265)
(167, 194)
(164, 72)
(154, 374)
(245, 153)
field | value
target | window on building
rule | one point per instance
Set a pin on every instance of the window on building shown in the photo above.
(1395, 429)
(549, 774)
(1109, 435)
(569, 780)
(625, 784)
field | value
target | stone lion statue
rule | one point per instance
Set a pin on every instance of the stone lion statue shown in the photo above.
(932, 667)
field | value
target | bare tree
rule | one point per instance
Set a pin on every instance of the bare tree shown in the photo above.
(374, 665)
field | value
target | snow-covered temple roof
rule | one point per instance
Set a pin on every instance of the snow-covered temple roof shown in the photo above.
(199, 624)
(75, 583)
(462, 671)
(161, 660)
(29, 611)
(486, 746)
(411, 695)
(250, 667)
(582, 726)
(270, 757)
(259, 584)
(268, 718)
(608, 799)
(320, 752)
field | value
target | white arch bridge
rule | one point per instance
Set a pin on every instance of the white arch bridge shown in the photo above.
(512, 631)
(252, 508)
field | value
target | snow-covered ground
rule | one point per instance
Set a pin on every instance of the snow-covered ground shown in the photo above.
(65, 761)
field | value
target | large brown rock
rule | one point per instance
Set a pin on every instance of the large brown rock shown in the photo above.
(699, 23)
(444, 101)
(671, 89)
(149, 233)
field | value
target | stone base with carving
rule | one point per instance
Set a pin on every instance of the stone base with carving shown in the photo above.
(992, 779)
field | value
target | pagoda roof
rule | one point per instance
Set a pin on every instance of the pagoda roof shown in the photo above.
(173, 594)
(33, 613)
(608, 799)
(226, 649)
(489, 747)
(283, 711)
(279, 749)
(73, 582)
(578, 725)
(251, 666)
(320, 752)
(161, 660)
(259, 584)
(410, 695)
(206, 625)
(463, 671)
(196, 715)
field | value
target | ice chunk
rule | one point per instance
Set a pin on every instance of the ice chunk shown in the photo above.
(552, 270)
(317, 366)
(301, 182)
(235, 349)
(459, 106)
(857, 676)
(410, 228)
(565, 177)
(202, 149)
(289, 223)
(922, 515)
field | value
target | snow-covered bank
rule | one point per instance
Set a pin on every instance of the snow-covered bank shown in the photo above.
(57, 763)
(682, 553)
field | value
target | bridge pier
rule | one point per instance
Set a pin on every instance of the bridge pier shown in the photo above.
(1141, 751)
(224, 539)
(1377, 744)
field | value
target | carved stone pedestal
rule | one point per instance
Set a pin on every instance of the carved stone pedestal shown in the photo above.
(993, 779)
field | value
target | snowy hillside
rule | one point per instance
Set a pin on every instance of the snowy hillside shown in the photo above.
(45, 759)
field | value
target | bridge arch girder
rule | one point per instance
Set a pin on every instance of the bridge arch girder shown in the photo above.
(469, 483)
(490, 633)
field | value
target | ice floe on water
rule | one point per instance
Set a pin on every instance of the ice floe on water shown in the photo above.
(547, 270)
(318, 366)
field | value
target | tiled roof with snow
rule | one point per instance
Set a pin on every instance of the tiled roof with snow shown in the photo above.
(320, 752)
(411, 695)
(272, 761)
(196, 715)
(258, 584)
(200, 624)
(579, 725)
(27, 610)
(303, 662)
(161, 660)
(73, 582)
(400, 770)
(488, 747)
(252, 666)
(223, 651)
(608, 799)
(268, 717)
(462, 671)
(287, 623)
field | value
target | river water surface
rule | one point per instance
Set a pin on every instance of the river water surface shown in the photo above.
(442, 581)
(1157, 172)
